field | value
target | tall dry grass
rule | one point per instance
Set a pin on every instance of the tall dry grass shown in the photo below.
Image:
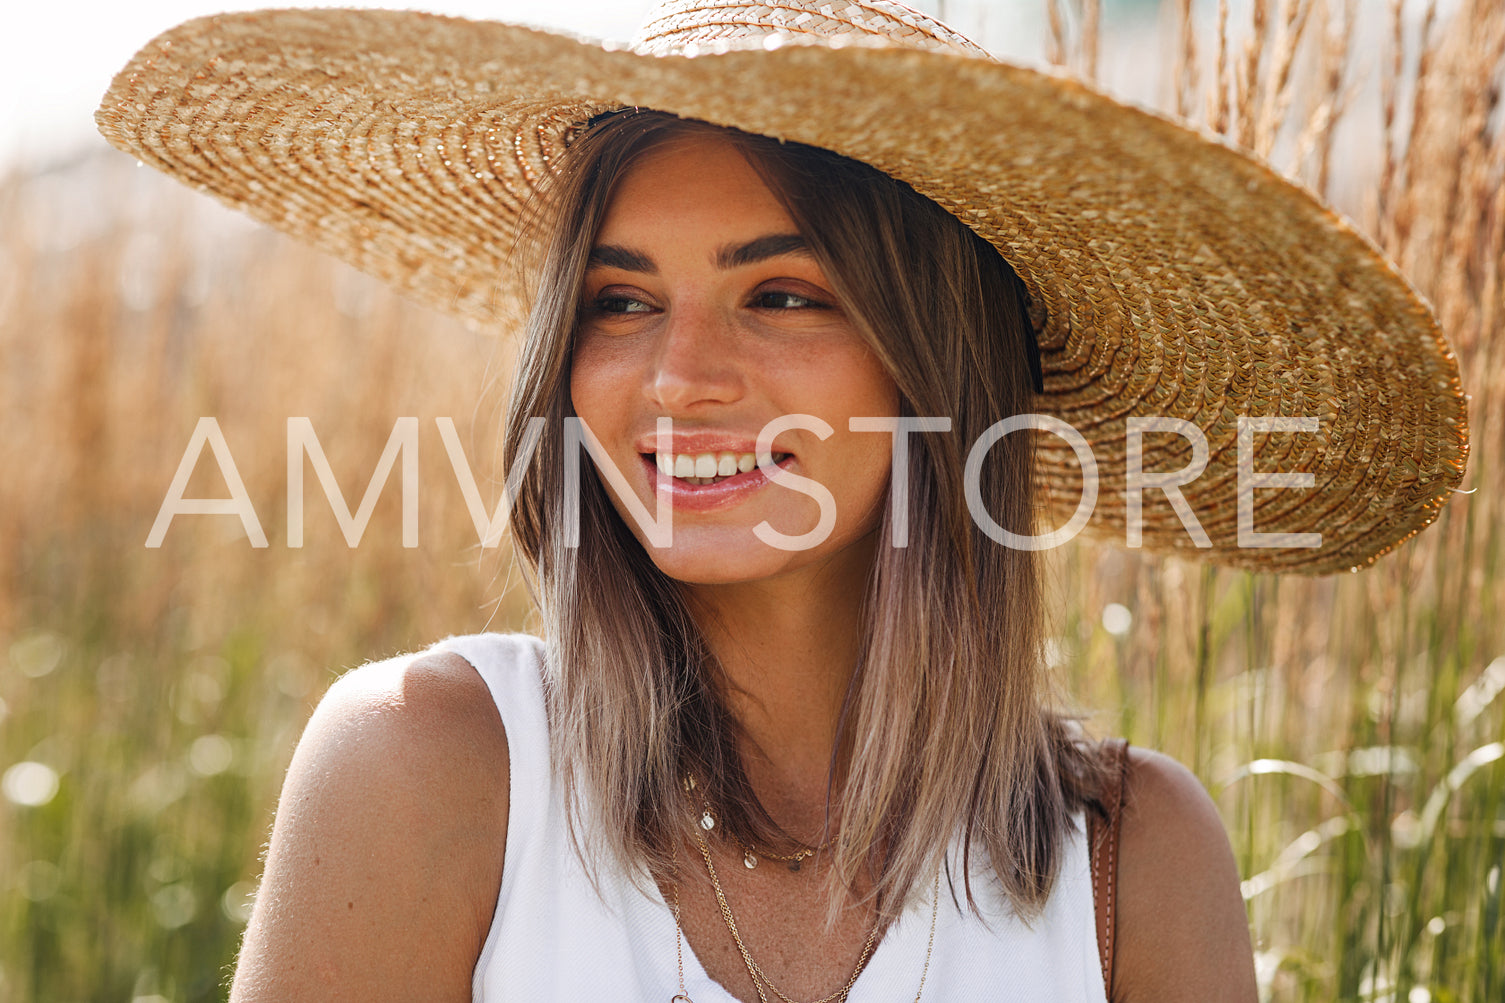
(1351, 727)
(167, 686)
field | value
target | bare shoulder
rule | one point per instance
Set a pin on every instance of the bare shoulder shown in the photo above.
(1183, 934)
(386, 855)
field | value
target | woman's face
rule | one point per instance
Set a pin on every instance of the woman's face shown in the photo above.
(701, 304)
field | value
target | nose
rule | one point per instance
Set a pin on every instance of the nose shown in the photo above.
(695, 361)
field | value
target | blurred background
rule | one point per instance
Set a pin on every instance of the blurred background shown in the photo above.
(1351, 728)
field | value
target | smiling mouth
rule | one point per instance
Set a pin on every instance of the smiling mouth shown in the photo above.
(707, 468)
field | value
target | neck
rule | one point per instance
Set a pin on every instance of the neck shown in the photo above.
(787, 649)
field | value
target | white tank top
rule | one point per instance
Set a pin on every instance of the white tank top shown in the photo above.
(553, 938)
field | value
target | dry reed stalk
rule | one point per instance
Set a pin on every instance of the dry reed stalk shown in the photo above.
(1290, 24)
(1055, 40)
(1390, 79)
(1090, 42)
(1185, 66)
(1403, 212)
(1080, 52)
(1331, 96)
(1246, 103)
(1218, 110)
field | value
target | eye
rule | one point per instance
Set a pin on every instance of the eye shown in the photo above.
(777, 299)
(618, 304)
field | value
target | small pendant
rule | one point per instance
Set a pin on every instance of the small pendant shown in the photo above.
(707, 822)
(794, 865)
(749, 859)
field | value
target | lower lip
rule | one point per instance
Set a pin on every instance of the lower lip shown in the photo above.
(687, 497)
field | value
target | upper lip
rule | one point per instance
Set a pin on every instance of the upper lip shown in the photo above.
(695, 443)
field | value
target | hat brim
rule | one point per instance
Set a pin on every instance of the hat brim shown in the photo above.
(1170, 275)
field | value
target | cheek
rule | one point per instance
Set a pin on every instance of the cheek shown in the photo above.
(871, 482)
(597, 373)
(864, 390)
(861, 478)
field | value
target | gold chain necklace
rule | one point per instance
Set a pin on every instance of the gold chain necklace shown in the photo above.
(760, 979)
(754, 970)
(794, 860)
(750, 854)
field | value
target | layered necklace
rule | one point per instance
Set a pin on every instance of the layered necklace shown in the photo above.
(750, 854)
(762, 984)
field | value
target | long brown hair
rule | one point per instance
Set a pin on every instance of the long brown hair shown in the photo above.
(954, 620)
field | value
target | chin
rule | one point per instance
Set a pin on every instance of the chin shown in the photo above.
(717, 567)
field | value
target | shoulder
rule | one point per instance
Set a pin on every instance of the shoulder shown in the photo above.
(386, 854)
(427, 718)
(414, 729)
(1182, 930)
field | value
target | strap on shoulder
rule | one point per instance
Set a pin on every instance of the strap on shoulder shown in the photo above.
(1102, 835)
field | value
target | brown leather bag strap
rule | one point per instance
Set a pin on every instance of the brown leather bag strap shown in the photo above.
(1102, 835)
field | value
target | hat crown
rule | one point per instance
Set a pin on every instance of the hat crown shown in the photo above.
(693, 27)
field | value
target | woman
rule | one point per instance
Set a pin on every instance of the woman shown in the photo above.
(681, 285)
(801, 746)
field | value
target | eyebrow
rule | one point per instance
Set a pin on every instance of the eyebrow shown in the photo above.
(729, 256)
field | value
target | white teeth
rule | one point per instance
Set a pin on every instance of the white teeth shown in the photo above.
(704, 468)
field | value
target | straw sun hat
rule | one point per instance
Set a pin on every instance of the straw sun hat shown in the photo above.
(1169, 275)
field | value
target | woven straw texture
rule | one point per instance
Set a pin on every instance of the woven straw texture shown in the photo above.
(1170, 275)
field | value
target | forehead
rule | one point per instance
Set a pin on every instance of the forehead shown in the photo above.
(697, 187)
